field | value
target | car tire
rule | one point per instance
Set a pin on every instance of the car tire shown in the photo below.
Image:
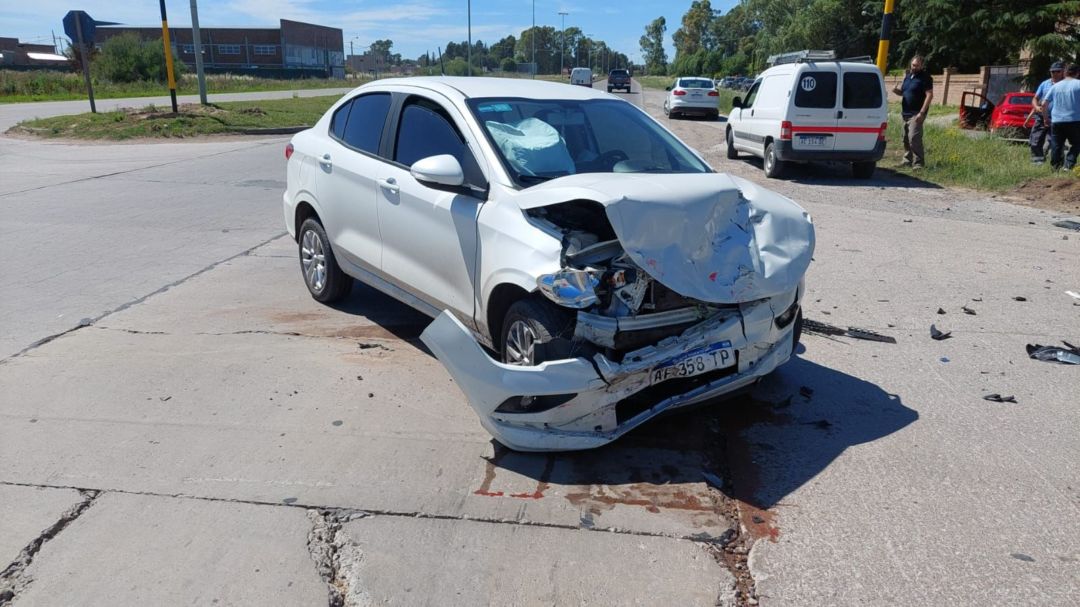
(609, 89)
(774, 167)
(863, 170)
(530, 323)
(323, 277)
(732, 153)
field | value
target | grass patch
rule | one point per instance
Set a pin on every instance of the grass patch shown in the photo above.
(17, 86)
(192, 120)
(970, 159)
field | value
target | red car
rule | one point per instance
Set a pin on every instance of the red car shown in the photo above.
(1012, 115)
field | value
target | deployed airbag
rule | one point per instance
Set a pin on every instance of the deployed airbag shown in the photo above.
(532, 147)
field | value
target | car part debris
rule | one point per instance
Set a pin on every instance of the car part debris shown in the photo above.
(820, 328)
(1073, 294)
(997, 398)
(1069, 355)
(968, 310)
(1019, 298)
(938, 335)
(1068, 224)
(941, 310)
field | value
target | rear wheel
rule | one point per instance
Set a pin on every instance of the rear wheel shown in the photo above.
(322, 275)
(774, 167)
(534, 331)
(863, 170)
(732, 153)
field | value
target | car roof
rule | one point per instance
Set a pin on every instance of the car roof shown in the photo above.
(483, 87)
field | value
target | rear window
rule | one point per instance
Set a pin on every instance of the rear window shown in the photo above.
(862, 90)
(816, 90)
(1021, 99)
(363, 131)
(695, 83)
(620, 73)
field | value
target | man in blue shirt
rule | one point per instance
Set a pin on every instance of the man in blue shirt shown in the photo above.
(1064, 100)
(1041, 128)
(917, 91)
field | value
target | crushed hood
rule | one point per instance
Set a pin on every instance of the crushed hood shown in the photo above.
(708, 236)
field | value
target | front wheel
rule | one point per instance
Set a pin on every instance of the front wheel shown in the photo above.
(732, 153)
(325, 280)
(534, 331)
(774, 167)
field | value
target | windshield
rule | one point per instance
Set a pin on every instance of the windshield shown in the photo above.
(538, 140)
(695, 83)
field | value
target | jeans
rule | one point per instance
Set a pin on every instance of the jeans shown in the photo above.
(1039, 131)
(1062, 132)
(914, 154)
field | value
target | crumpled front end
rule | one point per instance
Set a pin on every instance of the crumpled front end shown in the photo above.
(686, 289)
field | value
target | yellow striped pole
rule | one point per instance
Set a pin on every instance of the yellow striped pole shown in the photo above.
(168, 55)
(887, 21)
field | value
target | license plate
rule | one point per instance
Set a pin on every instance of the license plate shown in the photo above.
(696, 362)
(812, 139)
(695, 94)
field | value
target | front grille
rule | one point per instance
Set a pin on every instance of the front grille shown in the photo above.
(643, 401)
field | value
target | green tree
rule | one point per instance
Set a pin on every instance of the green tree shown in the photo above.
(652, 47)
(127, 58)
(695, 33)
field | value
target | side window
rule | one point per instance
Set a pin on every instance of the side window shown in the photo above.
(424, 131)
(363, 130)
(751, 95)
(862, 90)
(816, 90)
(338, 120)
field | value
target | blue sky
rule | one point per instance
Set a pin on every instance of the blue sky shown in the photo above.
(415, 26)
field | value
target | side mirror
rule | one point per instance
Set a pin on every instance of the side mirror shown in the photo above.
(736, 102)
(441, 170)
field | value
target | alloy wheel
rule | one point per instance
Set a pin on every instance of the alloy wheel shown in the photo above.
(313, 260)
(520, 344)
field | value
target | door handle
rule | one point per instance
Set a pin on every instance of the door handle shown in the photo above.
(389, 184)
(839, 114)
(751, 112)
(325, 160)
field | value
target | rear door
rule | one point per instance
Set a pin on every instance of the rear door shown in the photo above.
(813, 109)
(862, 109)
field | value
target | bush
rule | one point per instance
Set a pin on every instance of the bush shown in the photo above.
(508, 65)
(127, 58)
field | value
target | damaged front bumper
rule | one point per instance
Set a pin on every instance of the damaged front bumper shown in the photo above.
(583, 403)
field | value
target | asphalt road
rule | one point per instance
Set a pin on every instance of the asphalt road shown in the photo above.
(211, 433)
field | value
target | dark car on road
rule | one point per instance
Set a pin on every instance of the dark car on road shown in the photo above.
(618, 79)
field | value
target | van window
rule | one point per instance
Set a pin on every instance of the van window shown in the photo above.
(816, 90)
(862, 90)
(751, 95)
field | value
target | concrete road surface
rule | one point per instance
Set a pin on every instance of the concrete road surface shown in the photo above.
(211, 434)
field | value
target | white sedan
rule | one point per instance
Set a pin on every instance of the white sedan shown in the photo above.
(586, 270)
(692, 96)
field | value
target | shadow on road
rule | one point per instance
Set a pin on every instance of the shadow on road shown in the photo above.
(756, 448)
(839, 174)
(395, 317)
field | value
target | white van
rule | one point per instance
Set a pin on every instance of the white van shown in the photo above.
(581, 76)
(809, 110)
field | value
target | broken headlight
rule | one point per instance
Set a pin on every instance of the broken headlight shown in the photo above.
(570, 288)
(788, 315)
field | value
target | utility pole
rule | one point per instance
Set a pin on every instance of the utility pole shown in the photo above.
(469, 52)
(198, 51)
(533, 68)
(887, 21)
(168, 56)
(562, 53)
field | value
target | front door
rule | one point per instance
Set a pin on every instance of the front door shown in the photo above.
(742, 123)
(429, 234)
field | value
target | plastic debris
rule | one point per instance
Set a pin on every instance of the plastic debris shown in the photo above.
(1019, 298)
(1073, 294)
(813, 326)
(968, 310)
(939, 335)
(1068, 224)
(997, 398)
(1069, 355)
(941, 310)
(869, 335)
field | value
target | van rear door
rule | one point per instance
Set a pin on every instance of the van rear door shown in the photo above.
(862, 108)
(813, 108)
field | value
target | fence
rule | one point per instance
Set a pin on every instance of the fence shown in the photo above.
(950, 86)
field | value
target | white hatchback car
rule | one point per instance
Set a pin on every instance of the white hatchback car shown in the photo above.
(609, 271)
(697, 96)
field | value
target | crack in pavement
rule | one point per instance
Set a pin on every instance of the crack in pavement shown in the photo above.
(90, 321)
(700, 539)
(13, 579)
(337, 559)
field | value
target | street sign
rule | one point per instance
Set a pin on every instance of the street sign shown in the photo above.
(79, 20)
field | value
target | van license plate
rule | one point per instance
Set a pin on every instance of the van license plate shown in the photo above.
(696, 362)
(809, 140)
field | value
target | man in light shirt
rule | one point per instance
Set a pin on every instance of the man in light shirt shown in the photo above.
(1064, 100)
(1041, 128)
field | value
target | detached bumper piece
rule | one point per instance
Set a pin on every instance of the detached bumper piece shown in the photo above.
(581, 403)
